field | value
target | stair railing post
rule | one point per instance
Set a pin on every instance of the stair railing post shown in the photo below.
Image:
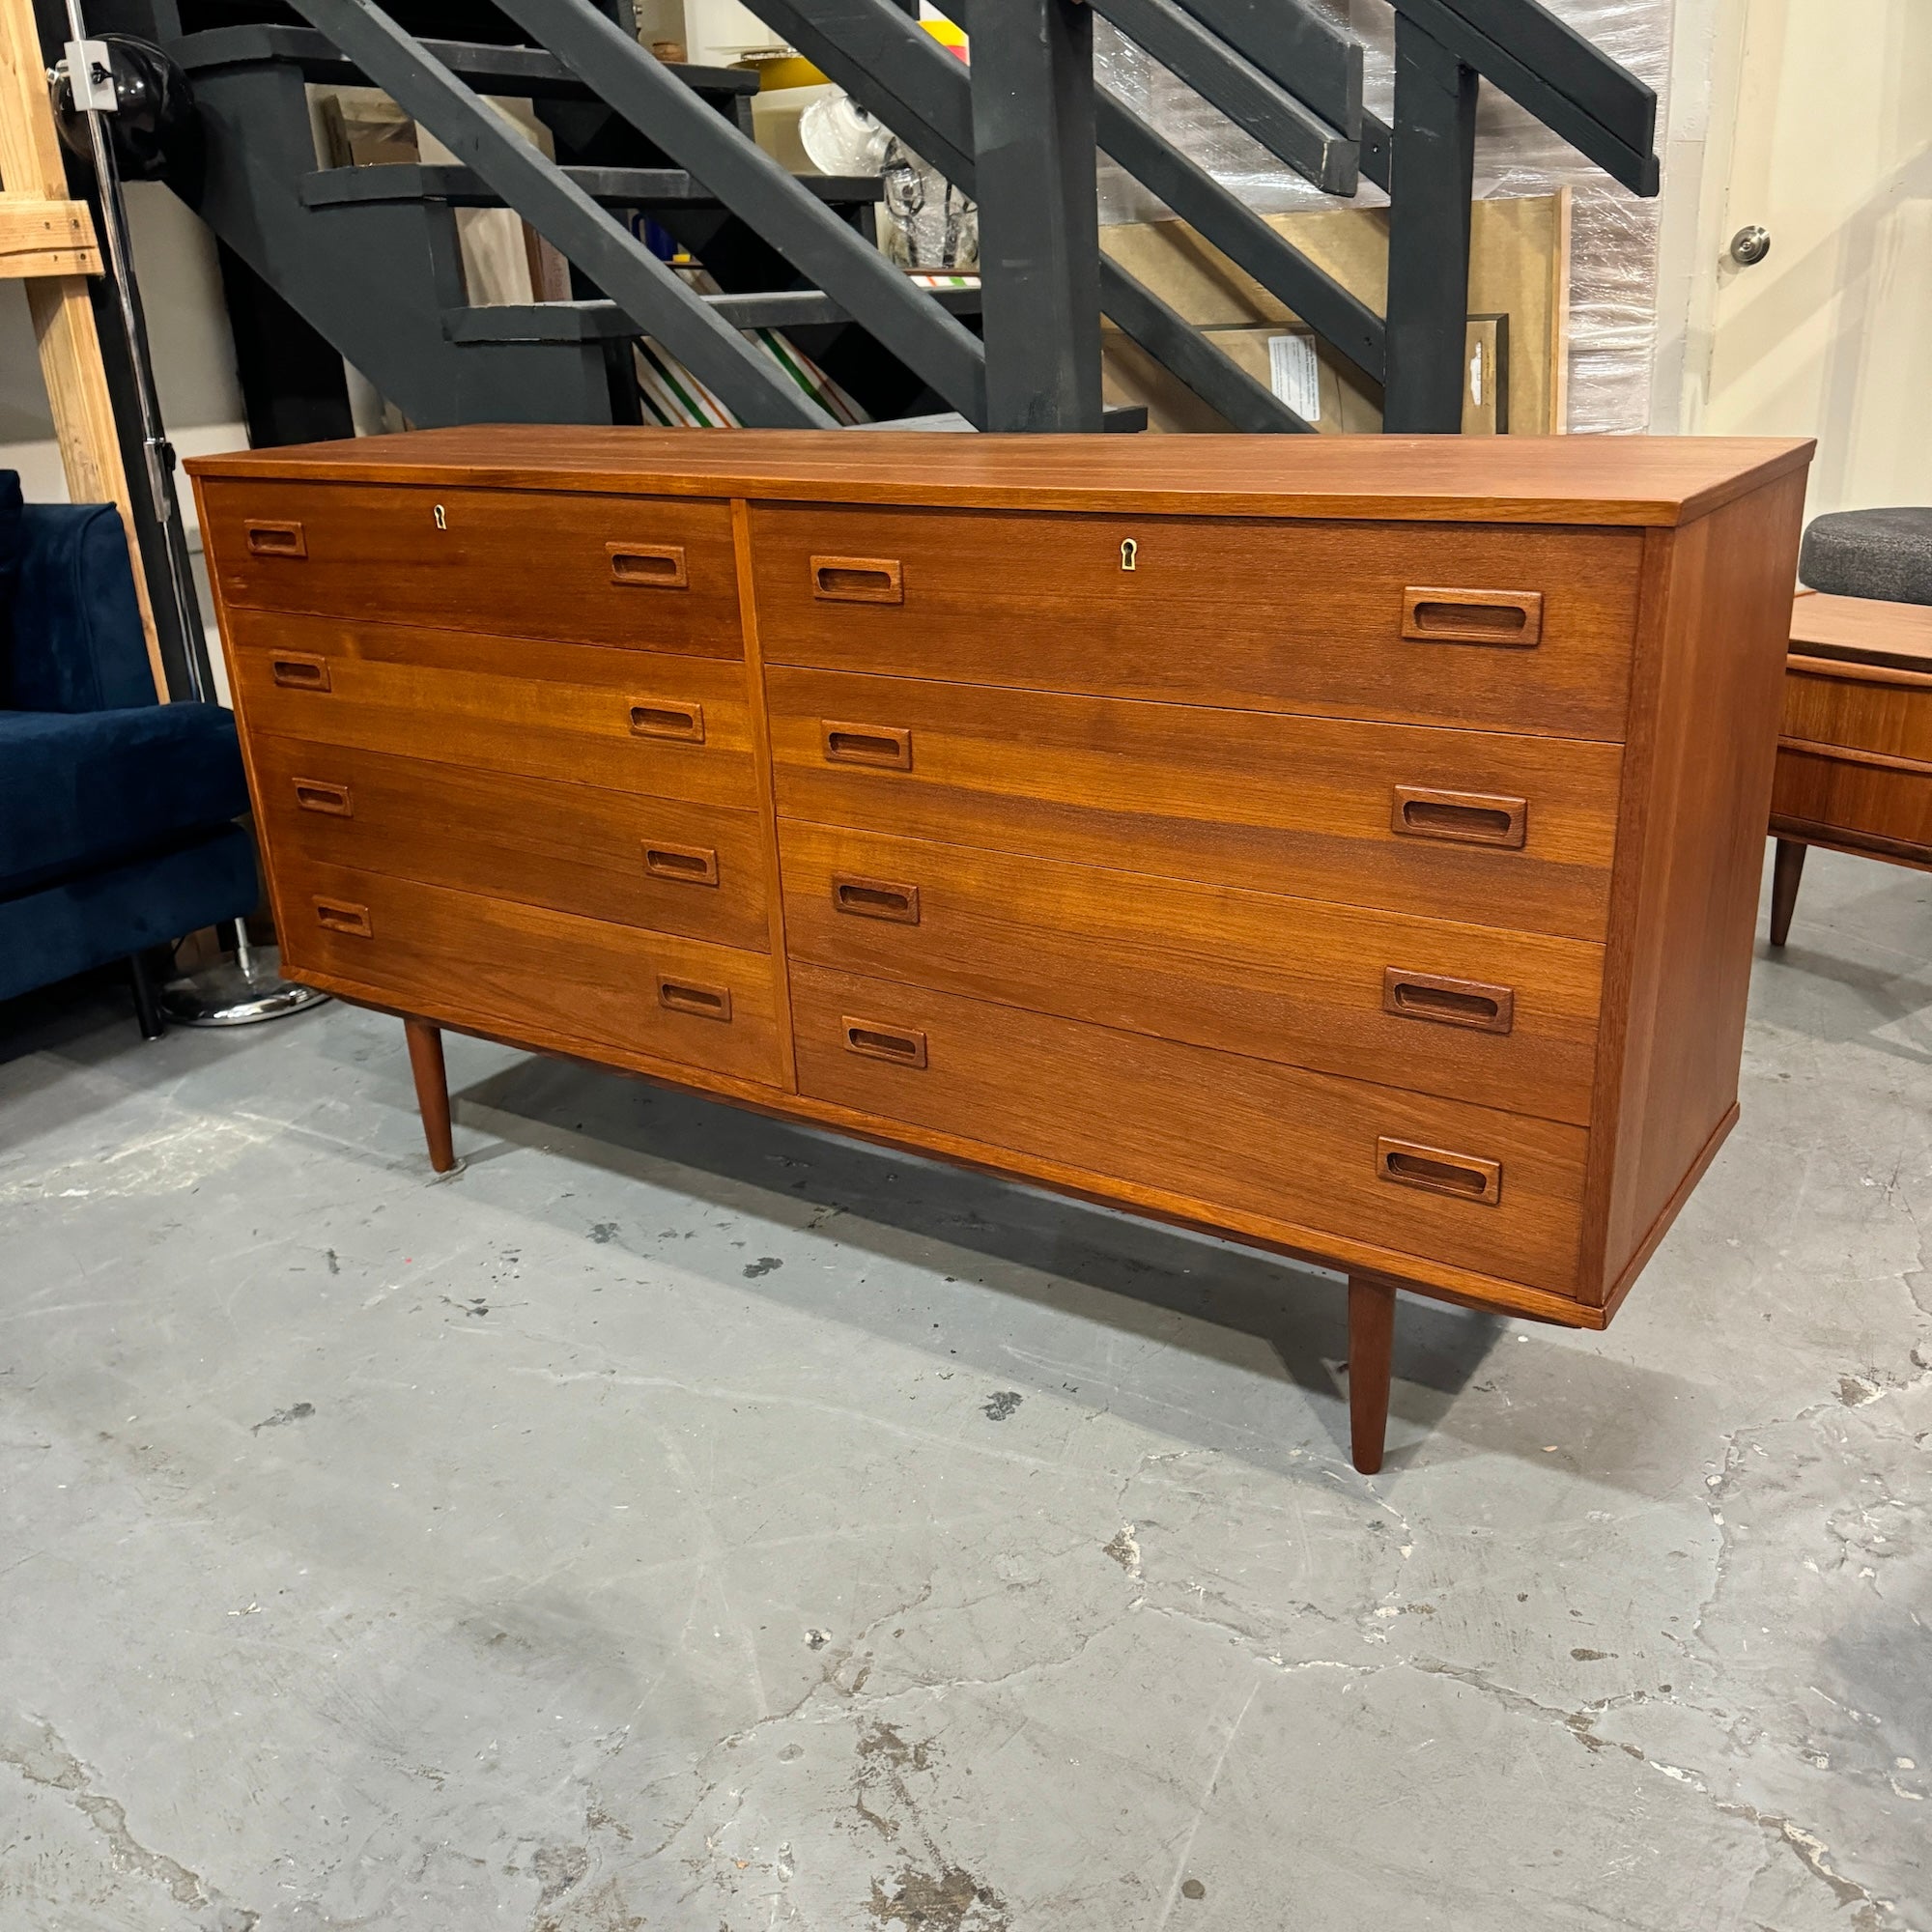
(1039, 235)
(1432, 178)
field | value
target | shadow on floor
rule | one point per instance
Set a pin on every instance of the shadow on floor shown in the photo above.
(1057, 1253)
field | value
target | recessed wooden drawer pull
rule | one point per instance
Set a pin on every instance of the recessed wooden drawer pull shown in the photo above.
(319, 795)
(340, 917)
(650, 566)
(1470, 818)
(300, 673)
(1472, 616)
(272, 539)
(1436, 1171)
(887, 746)
(1464, 1003)
(685, 996)
(857, 580)
(665, 718)
(690, 865)
(875, 898)
(877, 1040)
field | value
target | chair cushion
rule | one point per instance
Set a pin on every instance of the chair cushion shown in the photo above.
(1883, 554)
(87, 921)
(9, 572)
(78, 640)
(80, 789)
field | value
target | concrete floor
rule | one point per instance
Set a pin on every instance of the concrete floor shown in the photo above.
(674, 1520)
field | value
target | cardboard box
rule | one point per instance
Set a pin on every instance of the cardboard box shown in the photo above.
(1518, 293)
(1328, 392)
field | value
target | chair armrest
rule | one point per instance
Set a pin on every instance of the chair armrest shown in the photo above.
(78, 640)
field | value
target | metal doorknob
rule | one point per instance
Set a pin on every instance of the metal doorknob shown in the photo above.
(1751, 245)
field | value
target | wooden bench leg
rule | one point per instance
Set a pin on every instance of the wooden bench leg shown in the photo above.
(431, 1092)
(1371, 1344)
(1787, 868)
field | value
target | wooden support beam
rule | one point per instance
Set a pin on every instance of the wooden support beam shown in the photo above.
(45, 237)
(33, 176)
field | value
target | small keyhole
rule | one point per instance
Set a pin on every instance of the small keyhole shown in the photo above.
(1130, 550)
(441, 523)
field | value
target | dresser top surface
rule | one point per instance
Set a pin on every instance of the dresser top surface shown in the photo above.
(1587, 479)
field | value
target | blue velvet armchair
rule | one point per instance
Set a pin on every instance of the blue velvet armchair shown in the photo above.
(117, 812)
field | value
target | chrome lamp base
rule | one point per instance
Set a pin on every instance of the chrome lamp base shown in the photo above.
(236, 992)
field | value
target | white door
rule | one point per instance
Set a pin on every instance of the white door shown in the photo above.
(1830, 334)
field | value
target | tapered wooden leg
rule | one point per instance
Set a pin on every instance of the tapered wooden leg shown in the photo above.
(1787, 868)
(431, 1092)
(1371, 1341)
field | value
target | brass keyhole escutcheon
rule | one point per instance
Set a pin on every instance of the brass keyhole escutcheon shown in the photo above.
(1129, 550)
(441, 523)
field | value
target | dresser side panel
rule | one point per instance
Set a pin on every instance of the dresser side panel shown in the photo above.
(1710, 743)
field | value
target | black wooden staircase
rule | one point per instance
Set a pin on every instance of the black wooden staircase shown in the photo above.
(365, 263)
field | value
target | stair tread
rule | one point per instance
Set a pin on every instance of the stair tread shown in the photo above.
(530, 71)
(626, 188)
(605, 321)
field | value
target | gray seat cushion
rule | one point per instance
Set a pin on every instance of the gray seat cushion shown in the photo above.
(1883, 554)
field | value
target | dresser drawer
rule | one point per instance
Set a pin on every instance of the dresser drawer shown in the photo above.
(1295, 1149)
(1506, 1019)
(1472, 826)
(673, 726)
(665, 864)
(508, 967)
(1510, 628)
(657, 574)
(1888, 714)
(1855, 801)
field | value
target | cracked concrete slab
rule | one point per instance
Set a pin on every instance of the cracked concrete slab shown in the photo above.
(677, 1520)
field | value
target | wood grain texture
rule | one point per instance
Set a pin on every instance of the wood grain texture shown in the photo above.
(1466, 1287)
(573, 848)
(1371, 1349)
(1595, 481)
(432, 1085)
(1266, 616)
(1855, 749)
(539, 709)
(1876, 711)
(1173, 946)
(1228, 1131)
(1711, 663)
(761, 763)
(1232, 798)
(585, 979)
(46, 237)
(1279, 979)
(1863, 630)
(531, 564)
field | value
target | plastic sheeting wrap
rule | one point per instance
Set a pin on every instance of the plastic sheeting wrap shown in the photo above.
(1613, 234)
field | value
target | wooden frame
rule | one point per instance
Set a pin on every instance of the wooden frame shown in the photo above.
(47, 242)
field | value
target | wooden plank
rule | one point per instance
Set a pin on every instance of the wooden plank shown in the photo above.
(45, 237)
(69, 345)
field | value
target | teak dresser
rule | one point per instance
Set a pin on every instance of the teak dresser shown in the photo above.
(1350, 846)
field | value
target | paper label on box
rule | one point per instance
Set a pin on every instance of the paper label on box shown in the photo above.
(1295, 374)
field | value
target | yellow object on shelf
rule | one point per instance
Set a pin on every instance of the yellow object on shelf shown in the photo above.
(792, 71)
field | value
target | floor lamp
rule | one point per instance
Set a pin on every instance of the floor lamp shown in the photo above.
(99, 79)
